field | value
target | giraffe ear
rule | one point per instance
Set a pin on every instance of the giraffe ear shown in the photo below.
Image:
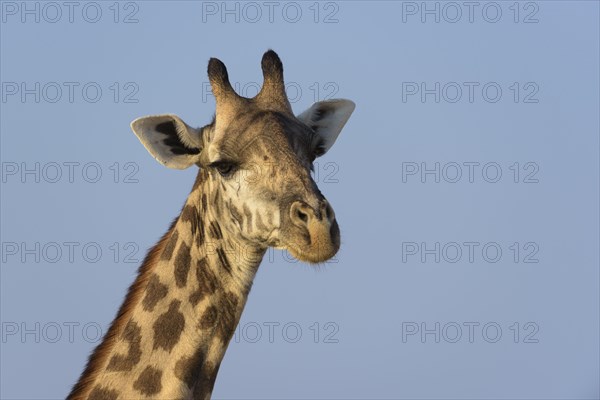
(170, 140)
(327, 118)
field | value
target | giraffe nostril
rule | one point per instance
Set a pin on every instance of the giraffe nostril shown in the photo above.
(302, 215)
(329, 214)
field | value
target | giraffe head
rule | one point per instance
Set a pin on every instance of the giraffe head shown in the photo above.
(255, 162)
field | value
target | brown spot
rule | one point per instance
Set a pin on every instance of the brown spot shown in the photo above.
(209, 318)
(196, 297)
(200, 233)
(190, 214)
(170, 247)
(223, 260)
(188, 369)
(206, 382)
(204, 208)
(216, 202)
(131, 334)
(168, 327)
(182, 265)
(207, 281)
(149, 381)
(235, 213)
(265, 158)
(155, 292)
(227, 318)
(215, 231)
(99, 393)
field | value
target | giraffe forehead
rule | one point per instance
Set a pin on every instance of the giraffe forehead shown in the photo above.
(262, 133)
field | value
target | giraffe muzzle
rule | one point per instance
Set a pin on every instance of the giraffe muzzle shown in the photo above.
(316, 234)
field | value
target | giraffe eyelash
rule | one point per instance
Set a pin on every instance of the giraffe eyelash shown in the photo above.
(224, 167)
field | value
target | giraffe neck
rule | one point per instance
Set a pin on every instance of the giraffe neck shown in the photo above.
(172, 331)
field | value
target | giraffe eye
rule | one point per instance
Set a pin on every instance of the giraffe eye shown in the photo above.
(225, 168)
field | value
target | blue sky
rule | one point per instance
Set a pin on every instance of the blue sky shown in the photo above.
(465, 185)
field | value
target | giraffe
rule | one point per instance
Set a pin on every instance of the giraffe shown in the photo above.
(253, 190)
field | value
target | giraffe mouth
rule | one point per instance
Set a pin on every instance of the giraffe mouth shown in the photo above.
(316, 245)
(311, 256)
